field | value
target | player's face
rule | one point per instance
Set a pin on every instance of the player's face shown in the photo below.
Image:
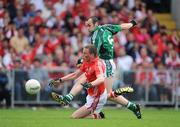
(89, 25)
(86, 55)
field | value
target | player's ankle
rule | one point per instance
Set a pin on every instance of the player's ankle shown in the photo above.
(69, 97)
(131, 106)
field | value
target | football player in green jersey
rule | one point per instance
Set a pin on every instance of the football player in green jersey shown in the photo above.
(102, 38)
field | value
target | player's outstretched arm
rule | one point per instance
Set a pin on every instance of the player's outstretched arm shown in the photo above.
(129, 25)
(71, 76)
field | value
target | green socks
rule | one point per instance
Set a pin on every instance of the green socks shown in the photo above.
(69, 97)
(131, 106)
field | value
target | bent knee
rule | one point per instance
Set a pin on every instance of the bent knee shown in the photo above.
(110, 98)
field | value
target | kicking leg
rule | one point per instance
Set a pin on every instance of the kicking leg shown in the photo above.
(120, 99)
(75, 89)
(65, 100)
(77, 86)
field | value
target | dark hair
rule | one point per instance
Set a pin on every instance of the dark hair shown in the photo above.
(94, 19)
(92, 49)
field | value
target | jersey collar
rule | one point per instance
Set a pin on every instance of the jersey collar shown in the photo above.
(96, 28)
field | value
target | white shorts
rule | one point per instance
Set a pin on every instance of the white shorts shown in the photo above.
(110, 67)
(95, 104)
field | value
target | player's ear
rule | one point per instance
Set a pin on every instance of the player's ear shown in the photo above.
(96, 24)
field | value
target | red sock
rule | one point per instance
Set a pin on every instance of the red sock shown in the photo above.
(112, 94)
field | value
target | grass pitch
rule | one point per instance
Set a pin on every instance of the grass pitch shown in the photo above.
(45, 117)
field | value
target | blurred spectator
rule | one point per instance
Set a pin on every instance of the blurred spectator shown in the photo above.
(163, 83)
(60, 7)
(142, 36)
(124, 61)
(107, 5)
(173, 60)
(26, 6)
(39, 4)
(11, 7)
(130, 45)
(143, 57)
(21, 77)
(5, 93)
(174, 38)
(152, 51)
(10, 30)
(4, 16)
(144, 80)
(37, 21)
(59, 56)
(8, 57)
(124, 65)
(46, 11)
(49, 62)
(20, 20)
(31, 35)
(39, 46)
(52, 19)
(140, 12)
(29, 9)
(19, 43)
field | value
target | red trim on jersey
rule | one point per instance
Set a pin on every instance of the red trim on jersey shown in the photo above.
(94, 103)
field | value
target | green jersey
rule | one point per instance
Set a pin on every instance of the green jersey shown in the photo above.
(102, 38)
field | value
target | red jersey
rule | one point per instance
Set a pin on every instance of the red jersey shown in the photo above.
(92, 70)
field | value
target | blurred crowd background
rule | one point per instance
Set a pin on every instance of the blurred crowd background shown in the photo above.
(39, 37)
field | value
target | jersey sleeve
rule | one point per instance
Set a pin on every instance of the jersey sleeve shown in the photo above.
(99, 69)
(112, 28)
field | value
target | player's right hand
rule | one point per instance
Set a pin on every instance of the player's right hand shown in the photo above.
(133, 22)
(79, 62)
(55, 82)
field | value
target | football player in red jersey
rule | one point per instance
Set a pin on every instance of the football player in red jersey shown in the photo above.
(94, 69)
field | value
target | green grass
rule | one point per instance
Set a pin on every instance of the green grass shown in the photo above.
(43, 117)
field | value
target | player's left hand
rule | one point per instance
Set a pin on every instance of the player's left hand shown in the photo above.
(133, 22)
(79, 62)
(54, 82)
(86, 85)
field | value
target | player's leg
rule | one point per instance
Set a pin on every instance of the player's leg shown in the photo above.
(81, 113)
(118, 99)
(65, 100)
(96, 104)
(110, 69)
(96, 116)
(92, 108)
(121, 100)
(77, 86)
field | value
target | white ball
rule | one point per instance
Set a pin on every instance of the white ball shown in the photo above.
(32, 86)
